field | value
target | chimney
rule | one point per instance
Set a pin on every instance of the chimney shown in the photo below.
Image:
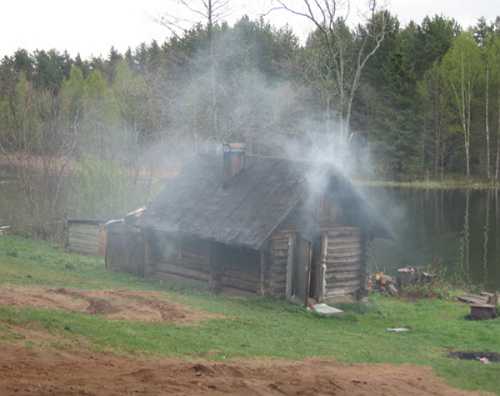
(234, 159)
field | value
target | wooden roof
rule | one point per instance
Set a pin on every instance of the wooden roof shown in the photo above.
(244, 211)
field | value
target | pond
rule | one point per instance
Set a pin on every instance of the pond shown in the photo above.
(455, 230)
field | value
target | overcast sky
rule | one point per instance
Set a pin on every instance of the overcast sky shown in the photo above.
(91, 27)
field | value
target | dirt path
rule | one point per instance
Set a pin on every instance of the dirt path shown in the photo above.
(48, 372)
(112, 304)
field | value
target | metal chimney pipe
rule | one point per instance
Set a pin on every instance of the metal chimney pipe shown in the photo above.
(234, 160)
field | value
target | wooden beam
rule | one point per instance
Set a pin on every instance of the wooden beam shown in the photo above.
(289, 266)
(263, 263)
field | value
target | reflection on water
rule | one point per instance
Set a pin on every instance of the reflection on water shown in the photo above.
(453, 229)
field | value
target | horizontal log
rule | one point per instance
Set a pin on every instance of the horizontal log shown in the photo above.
(344, 255)
(239, 284)
(351, 268)
(353, 246)
(278, 292)
(341, 291)
(342, 249)
(344, 240)
(278, 284)
(278, 263)
(278, 273)
(279, 254)
(175, 278)
(181, 271)
(83, 227)
(334, 261)
(90, 252)
(194, 265)
(345, 233)
(337, 284)
(194, 256)
(83, 242)
(237, 292)
(242, 277)
(342, 276)
(88, 246)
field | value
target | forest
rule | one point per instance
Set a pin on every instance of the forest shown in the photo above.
(422, 99)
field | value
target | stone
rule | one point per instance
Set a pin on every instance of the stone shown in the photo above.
(326, 310)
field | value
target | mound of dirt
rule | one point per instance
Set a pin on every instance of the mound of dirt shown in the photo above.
(112, 304)
(49, 372)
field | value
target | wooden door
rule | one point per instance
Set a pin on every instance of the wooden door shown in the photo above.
(301, 271)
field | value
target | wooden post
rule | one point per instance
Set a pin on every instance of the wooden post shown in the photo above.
(148, 259)
(323, 267)
(289, 266)
(263, 265)
(363, 292)
(308, 261)
(214, 275)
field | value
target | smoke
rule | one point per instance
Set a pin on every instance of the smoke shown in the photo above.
(273, 114)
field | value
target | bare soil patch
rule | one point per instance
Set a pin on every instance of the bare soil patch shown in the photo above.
(112, 304)
(50, 372)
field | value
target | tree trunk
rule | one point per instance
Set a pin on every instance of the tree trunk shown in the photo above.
(213, 75)
(487, 122)
(497, 164)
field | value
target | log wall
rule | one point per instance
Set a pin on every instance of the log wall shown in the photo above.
(278, 277)
(188, 260)
(84, 237)
(342, 256)
(125, 249)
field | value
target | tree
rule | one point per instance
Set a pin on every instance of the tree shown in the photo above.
(211, 13)
(462, 68)
(493, 54)
(347, 52)
(33, 142)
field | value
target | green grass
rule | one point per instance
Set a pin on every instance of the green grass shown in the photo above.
(254, 327)
(458, 183)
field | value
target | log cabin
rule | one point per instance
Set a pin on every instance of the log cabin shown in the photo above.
(249, 224)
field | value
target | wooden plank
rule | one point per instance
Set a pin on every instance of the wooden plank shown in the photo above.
(340, 250)
(343, 256)
(339, 284)
(176, 278)
(344, 266)
(181, 271)
(342, 291)
(289, 266)
(342, 276)
(346, 240)
(262, 272)
(347, 260)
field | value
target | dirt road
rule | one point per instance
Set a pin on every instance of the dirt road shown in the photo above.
(49, 372)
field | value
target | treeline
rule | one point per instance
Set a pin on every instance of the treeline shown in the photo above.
(427, 104)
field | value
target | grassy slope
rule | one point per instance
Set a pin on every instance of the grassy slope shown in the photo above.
(253, 327)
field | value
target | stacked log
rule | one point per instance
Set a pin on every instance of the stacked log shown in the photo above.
(185, 264)
(281, 246)
(83, 237)
(342, 256)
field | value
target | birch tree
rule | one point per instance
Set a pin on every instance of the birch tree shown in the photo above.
(461, 67)
(209, 12)
(493, 51)
(347, 51)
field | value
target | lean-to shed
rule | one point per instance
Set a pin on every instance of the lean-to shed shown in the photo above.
(268, 226)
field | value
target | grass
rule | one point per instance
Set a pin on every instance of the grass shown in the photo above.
(458, 183)
(254, 327)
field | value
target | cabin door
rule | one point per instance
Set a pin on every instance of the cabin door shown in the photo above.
(301, 271)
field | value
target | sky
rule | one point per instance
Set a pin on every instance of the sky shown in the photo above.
(91, 27)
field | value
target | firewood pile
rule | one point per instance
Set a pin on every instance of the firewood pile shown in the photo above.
(407, 276)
